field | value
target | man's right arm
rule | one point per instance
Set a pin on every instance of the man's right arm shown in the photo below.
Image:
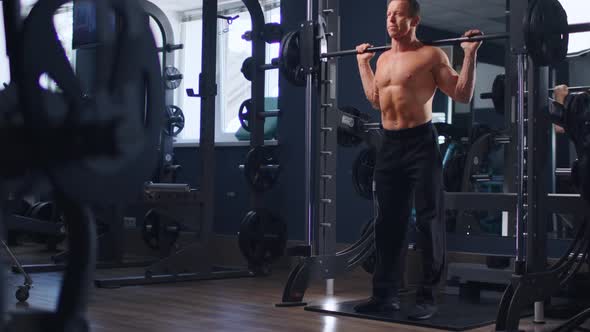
(363, 59)
(369, 86)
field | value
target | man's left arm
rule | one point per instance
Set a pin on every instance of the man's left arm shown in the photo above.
(560, 92)
(459, 87)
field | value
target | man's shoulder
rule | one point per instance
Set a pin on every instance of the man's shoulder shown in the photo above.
(431, 49)
(382, 57)
(434, 53)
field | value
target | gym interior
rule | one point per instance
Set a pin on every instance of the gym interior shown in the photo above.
(241, 196)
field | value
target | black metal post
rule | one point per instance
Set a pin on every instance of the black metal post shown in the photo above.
(310, 237)
(167, 33)
(518, 51)
(255, 122)
(327, 117)
(509, 124)
(208, 93)
(328, 147)
(537, 163)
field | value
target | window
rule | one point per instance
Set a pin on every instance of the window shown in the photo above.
(63, 25)
(63, 22)
(233, 88)
(4, 65)
(577, 12)
(190, 65)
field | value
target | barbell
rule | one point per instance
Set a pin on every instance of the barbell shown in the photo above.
(498, 92)
(536, 35)
(439, 42)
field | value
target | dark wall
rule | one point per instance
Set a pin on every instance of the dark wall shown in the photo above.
(231, 190)
(357, 26)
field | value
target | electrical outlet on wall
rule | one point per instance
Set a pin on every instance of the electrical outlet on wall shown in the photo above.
(129, 222)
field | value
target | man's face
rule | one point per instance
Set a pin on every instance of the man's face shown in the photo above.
(399, 22)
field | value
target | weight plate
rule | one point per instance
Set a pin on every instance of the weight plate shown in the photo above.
(262, 238)
(546, 32)
(290, 59)
(125, 112)
(498, 91)
(174, 120)
(150, 232)
(248, 68)
(244, 113)
(261, 168)
(349, 127)
(172, 77)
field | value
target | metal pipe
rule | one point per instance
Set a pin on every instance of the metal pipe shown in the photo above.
(308, 166)
(578, 27)
(268, 66)
(539, 313)
(308, 141)
(151, 187)
(520, 185)
(270, 114)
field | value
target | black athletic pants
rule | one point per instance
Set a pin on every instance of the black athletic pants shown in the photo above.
(408, 172)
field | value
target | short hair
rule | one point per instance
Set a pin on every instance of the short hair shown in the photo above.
(414, 7)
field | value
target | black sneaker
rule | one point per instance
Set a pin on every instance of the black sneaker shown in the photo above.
(425, 304)
(423, 311)
(377, 305)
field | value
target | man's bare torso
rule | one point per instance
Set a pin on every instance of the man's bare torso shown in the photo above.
(406, 85)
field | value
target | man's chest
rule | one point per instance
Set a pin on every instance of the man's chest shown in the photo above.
(403, 69)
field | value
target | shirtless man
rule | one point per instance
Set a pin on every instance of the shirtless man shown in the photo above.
(409, 160)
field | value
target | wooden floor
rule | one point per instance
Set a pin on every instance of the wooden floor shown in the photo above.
(220, 305)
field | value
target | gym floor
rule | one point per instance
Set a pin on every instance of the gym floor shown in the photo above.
(219, 305)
